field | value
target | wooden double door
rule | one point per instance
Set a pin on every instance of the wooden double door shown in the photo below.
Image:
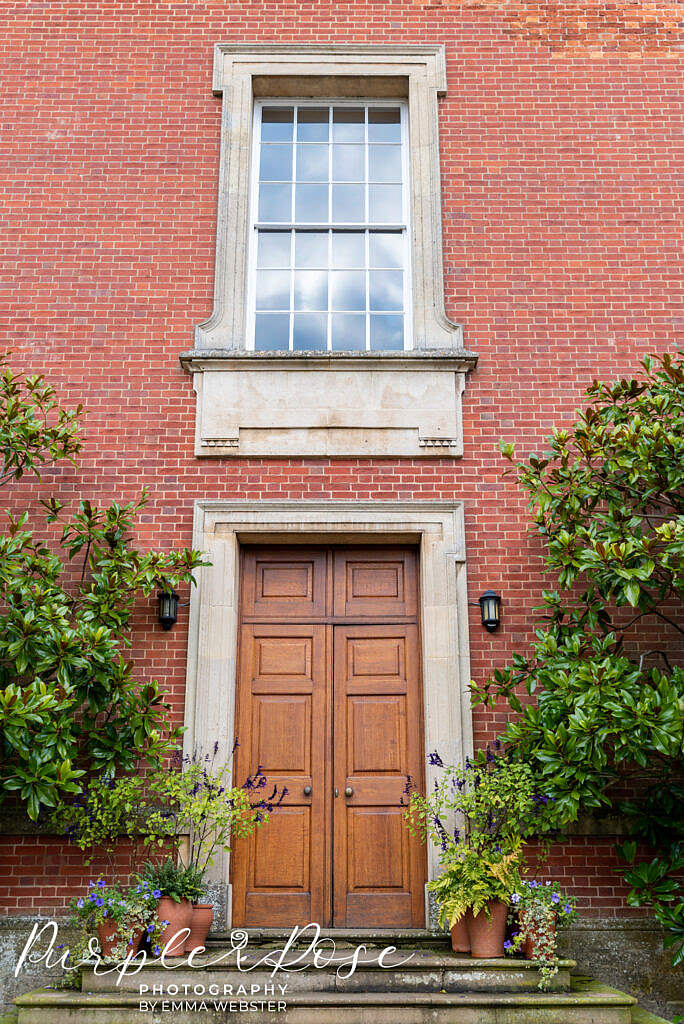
(329, 705)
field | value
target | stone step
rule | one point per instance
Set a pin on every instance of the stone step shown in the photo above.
(587, 1003)
(404, 971)
(372, 938)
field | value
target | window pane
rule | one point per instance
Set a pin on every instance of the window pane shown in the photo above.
(385, 204)
(348, 289)
(276, 124)
(312, 124)
(384, 163)
(348, 249)
(272, 331)
(348, 203)
(386, 289)
(275, 203)
(275, 163)
(310, 331)
(273, 289)
(348, 163)
(348, 331)
(348, 124)
(311, 249)
(311, 203)
(386, 332)
(384, 125)
(311, 289)
(273, 249)
(386, 249)
(312, 163)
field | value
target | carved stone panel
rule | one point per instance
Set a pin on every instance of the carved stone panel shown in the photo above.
(334, 405)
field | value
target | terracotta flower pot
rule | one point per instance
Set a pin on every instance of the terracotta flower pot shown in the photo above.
(487, 933)
(531, 946)
(108, 934)
(460, 939)
(202, 916)
(179, 916)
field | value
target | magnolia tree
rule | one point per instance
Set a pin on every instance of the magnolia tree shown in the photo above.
(608, 501)
(69, 701)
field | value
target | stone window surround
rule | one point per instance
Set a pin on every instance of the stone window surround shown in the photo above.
(245, 71)
(437, 527)
(332, 404)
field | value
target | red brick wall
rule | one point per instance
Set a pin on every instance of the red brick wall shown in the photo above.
(558, 164)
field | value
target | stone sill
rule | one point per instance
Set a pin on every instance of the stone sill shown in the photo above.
(458, 360)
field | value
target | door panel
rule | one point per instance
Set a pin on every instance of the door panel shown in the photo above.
(331, 704)
(378, 868)
(284, 583)
(282, 714)
(375, 583)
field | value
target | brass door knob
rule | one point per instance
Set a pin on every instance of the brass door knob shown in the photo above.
(349, 791)
(307, 791)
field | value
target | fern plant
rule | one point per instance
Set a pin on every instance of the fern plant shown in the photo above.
(173, 880)
(472, 879)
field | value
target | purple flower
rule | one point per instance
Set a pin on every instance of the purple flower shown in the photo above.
(534, 884)
(99, 902)
(156, 950)
(101, 883)
(150, 929)
(555, 898)
(435, 759)
(508, 944)
(80, 903)
(156, 893)
(567, 908)
(515, 898)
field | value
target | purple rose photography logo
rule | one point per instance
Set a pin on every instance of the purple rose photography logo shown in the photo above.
(304, 949)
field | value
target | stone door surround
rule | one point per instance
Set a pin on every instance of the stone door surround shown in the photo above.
(438, 529)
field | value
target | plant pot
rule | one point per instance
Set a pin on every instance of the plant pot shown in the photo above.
(179, 916)
(202, 916)
(532, 947)
(487, 933)
(460, 939)
(109, 935)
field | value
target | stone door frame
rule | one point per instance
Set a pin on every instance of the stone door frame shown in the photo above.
(437, 527)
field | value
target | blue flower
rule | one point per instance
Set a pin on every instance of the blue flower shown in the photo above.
(567, 908)
(80, 903)
(515, 898)
(157, 950)
(534, 884)
(150, 929)
(101, 883)
(555, 898)
(99, 902)
(156, 893)
(508, 944)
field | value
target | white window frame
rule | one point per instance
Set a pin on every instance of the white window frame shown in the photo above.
(405, 226)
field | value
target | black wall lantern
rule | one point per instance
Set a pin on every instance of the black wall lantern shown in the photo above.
(490, 610)
(168, 608)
